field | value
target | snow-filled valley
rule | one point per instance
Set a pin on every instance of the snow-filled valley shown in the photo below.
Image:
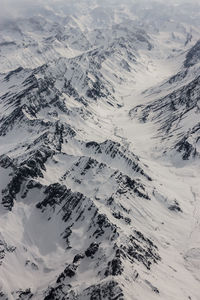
(100, 152)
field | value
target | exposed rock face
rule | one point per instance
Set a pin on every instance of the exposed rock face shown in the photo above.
(176, 114)
(193, 56)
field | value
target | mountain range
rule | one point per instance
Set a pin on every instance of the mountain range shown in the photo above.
(99, 152)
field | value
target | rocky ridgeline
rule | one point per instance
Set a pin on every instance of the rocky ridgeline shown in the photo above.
(75, 209)
(176, 114)
(37, 110)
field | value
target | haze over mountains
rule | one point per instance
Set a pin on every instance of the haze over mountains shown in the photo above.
(99, 150)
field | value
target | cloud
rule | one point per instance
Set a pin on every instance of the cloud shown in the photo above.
(10, 9)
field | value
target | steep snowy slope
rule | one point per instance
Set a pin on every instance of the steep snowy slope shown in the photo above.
(91, 205)
(175, 108)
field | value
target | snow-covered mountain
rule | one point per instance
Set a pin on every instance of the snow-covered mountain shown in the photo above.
(176, 109)
(99, 152)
